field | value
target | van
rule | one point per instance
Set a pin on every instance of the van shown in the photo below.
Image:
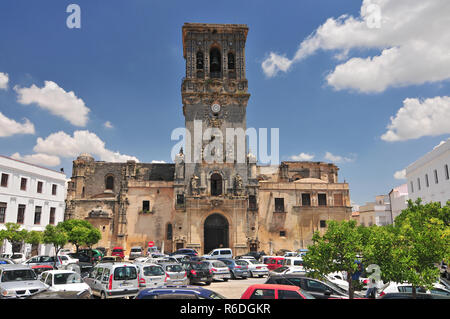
(219, 253)
(135, 252)
(113, 280)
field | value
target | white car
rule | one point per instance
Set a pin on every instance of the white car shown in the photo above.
(337, 278)
(256, 268)
(293, 261)
(219, 253)
(290, 254)
(390, 287)
(18, 258)
(67, 260)
(64, 280)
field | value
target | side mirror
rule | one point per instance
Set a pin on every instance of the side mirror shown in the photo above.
(327, 292)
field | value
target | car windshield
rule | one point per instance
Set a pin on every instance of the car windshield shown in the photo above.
(253, 261)
(241, 263)
(153, 271)
(174, 268)
(18, 275)
(15, 256)
(117, 250)
(135, 250)
(125, 273)
(66, 278)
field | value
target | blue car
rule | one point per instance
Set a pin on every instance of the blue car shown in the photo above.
(178, 292)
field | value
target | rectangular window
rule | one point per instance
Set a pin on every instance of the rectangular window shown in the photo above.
(4, 180)
(338, 200)
(39, 187)
(323, 223)
(23, 184)
(146, 206)
(306, 199)
(426, 180)
(52, 216)
(446, 171)
(37, 215)
(2, 212)
(54, 187)
(180, 199)
(279, 205)
(436, 180)
(412, 187)
(322, 199)
(282, 233)
(418, 183)
(252, 201)
(21, 214)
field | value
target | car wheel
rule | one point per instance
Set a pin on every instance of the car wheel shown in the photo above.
(103, 295)
(207, 283)
(233, 276)
(225, 279)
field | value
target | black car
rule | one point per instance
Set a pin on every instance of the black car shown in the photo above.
(198, 272)
(84, 261)
(406, 295)
(320, 289)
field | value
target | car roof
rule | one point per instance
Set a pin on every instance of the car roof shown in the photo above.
(274, 286)
(14, 266)
(119, 264)
(60, 271)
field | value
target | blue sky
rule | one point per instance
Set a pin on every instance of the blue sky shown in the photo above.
(126, 65)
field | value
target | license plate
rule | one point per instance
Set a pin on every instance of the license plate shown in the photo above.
(125, 285)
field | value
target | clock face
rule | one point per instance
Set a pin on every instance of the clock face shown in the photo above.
(215, 108)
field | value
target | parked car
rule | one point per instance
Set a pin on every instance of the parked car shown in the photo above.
(185, 251)
(245, 257)
(265, 258)
(8, 256)
(113, 280)
(293, 261)
(151, 250)
(48, 294)
(43, 260)
(256, 268)
(271, 291)
(238, 268)
(198, 272)
(39, 269)
(84, 261)
(164, 260)
(64, 280)
(320, 289)
(393, 287)
(67, 260)
(219, 253)
(103, 250)
(96, 255)
(18, 258)
(118, 251)
(135, 252)
(290, 254)
(151, 275)
(175, 274)
(4, 261)
(274, 262)
(219, 269)
(405, 295)
(18, 281)
(179, 292)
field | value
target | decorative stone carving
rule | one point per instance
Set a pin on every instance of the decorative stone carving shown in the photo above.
(194, 185)
(238, 185)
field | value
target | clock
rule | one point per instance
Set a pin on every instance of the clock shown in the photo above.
(215, 108)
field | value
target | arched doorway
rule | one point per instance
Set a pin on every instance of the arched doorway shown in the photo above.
(215, 232)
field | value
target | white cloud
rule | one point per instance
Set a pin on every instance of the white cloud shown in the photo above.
(108, 124)
(10, 127)
(302, 157)
(410, 34)
(417, 118)
(4, 79)
(337, 158)
(158, 162)
(38, 159)
(64, 145)
(55, 99)
(400, 174)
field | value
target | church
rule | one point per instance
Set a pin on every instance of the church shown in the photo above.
(205, 204)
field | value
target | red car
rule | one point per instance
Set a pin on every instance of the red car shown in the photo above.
(39, 269)
(271, 291)
(274, 262)
(118, 251)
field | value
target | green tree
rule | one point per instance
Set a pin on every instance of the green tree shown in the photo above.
(79, 232)
(422, 242)
(55, 236)
(15, 236)
(34, 238)
(336, 250)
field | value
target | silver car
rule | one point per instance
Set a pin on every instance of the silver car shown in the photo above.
(136, 252)
(19, 281)
(175, 274)
(219, 269)
(151, 275)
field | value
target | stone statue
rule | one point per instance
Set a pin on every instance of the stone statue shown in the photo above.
(194, 185)
(238, 184)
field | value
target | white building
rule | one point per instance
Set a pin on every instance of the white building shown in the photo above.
(428, 177)
(376, 213)
(398, 198)
(32, 196)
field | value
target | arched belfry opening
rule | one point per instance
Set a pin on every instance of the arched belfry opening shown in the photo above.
(216, 184)
(215, 61)
(215, 232)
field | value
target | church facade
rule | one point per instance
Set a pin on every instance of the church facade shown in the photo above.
(212, 196)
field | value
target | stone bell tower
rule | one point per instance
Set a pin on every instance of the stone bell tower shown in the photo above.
(215, 169)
